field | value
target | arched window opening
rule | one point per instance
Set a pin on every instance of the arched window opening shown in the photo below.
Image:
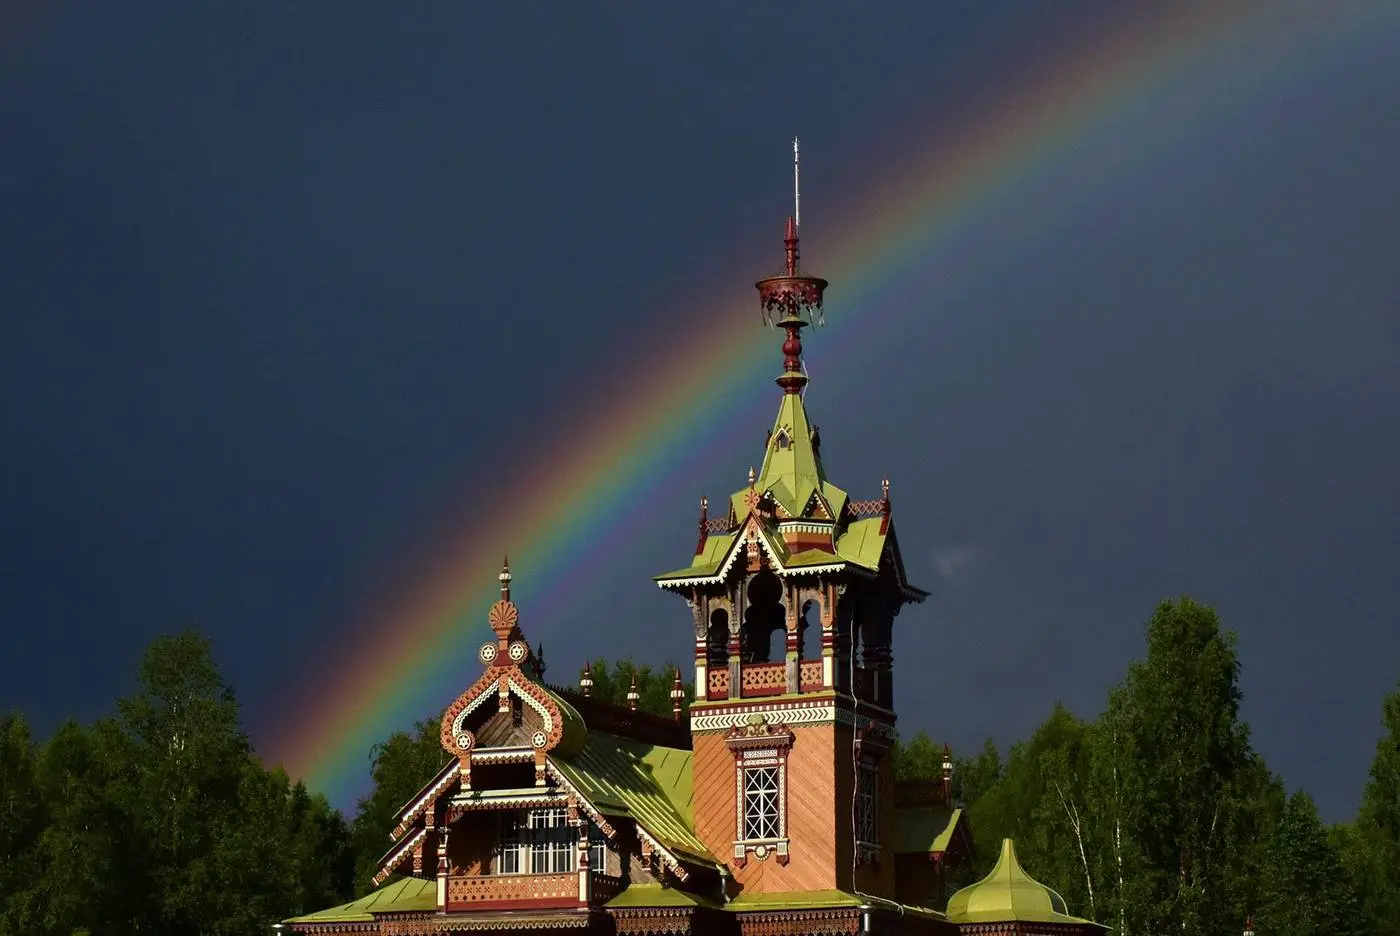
(717, 639)
(763, 615)
(805, 626)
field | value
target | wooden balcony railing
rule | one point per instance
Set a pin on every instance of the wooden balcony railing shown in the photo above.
(810, 675)
(763, 679)
(500, 891)
(717, 684)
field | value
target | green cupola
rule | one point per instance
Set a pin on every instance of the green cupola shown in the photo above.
(1009, 895)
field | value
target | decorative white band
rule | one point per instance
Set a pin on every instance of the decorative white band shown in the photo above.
(818, 714)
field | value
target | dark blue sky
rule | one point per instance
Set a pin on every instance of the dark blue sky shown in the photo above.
(280, 283)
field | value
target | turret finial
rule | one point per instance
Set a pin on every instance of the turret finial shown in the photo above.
(585, 679)
(704, 525)
(752, 476)
(947, 775)
(632, 694)
(504, 578)
(677, 695)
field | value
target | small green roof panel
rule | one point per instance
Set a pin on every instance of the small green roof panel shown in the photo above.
(403, 896)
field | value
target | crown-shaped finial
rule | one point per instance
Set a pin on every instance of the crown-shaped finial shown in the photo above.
(503, 615)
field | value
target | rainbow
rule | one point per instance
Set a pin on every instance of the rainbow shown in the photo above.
(410, 655)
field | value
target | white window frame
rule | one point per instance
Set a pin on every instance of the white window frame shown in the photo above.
(763, 809)
(542, 841)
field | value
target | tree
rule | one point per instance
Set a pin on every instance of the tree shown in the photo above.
(1304, 888)
(1039, 800)
(21, 816)
(401, 766)
(1374, 842)
(1172, 782)
(920, 759)
(91, 871)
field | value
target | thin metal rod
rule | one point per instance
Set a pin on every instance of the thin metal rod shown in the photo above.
(796, 184)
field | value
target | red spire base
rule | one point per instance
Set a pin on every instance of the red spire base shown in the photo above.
(792, 301)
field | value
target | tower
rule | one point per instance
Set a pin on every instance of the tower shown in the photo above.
(793, 779)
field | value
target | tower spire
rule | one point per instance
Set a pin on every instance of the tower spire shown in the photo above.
(791, 299)
(796, 184)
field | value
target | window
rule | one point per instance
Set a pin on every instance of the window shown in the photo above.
(761, 804)
(760, 789)
(597, 850)
(552, 842)
(868, 804)
(510, 854)
(541, 841)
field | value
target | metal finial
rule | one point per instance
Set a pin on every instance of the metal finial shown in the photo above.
(677, 694)
(752, 476)
(585, 679)
(632, 694)
(504, 578)
(796, 184)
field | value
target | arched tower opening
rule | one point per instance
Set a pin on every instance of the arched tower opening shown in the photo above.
(717, 639)
(808, 624)
(763, 615)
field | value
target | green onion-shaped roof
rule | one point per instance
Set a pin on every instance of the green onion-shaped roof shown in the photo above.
(1008, 894)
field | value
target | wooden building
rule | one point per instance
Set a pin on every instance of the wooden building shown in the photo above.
(772, 810)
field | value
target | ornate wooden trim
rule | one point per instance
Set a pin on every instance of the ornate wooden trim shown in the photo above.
(839, 921)
(433, 924)
(427, 799)
(653, 921)
(398, 854)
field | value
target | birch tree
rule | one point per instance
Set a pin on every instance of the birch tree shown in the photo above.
(1172, 766)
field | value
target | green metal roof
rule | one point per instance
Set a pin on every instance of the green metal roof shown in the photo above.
(924, 830)
(862, 543)
(818, 900)
(647, 782)
(1008, 894)
(792, 471)
(708, 561)
(655, 895)
(402, 896)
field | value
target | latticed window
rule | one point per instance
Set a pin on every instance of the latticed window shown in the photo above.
(552, 842)
(868, 804)
(541, 841)
(761, 804)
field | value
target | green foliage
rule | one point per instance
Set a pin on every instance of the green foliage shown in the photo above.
(611, 684)
(401, 766)
(21, 816)
(161, 820)
(920, 759)
(1373, 845)
(1039, 800)
(1304, 888)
